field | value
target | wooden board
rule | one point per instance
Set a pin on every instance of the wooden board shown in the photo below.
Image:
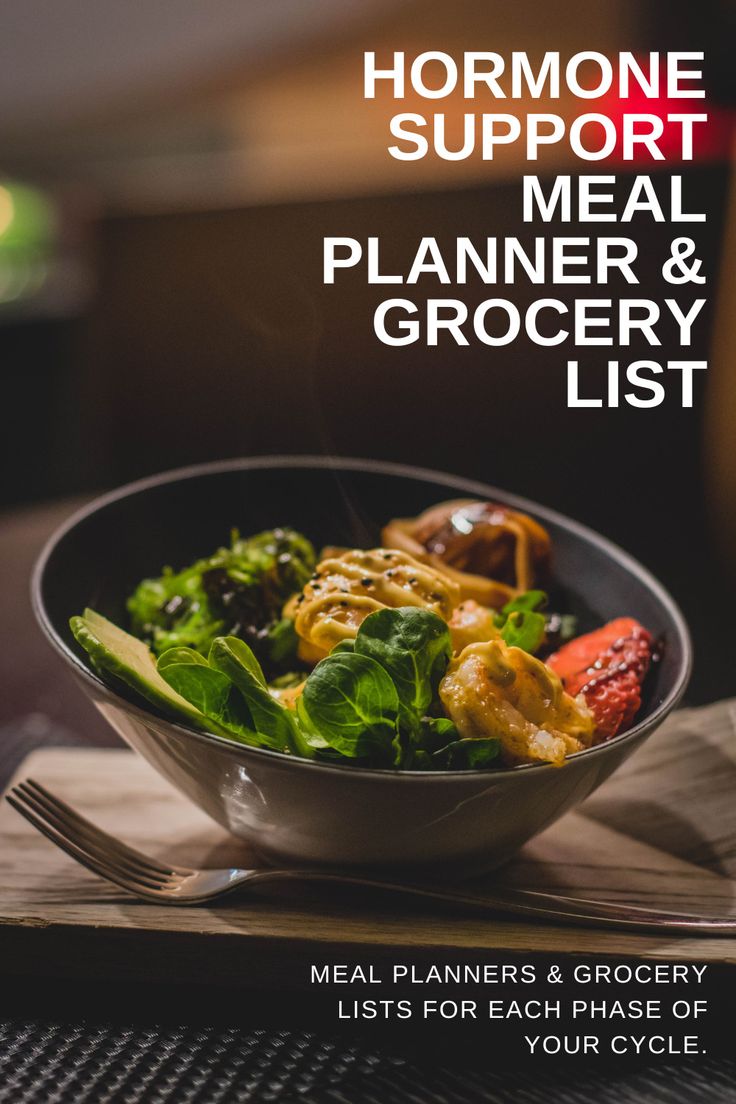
(661, 832)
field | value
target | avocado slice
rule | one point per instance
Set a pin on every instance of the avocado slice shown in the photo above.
(123, 656)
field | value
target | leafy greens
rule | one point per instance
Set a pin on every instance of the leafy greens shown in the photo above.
(371, 704)
(413, 646)
(521, 623)
(237, 591)
(350, 701)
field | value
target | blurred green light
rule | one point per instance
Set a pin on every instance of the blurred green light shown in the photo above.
(26, 216)
(27, 231)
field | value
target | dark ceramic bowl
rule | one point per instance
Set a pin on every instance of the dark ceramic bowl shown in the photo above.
(449, 823)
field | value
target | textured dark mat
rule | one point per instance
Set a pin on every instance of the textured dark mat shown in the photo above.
(86, 1063)
(83, 1063)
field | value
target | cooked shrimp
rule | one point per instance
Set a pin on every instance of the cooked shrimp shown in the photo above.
(491, 690)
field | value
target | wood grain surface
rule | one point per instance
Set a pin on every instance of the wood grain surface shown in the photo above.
(661, 832)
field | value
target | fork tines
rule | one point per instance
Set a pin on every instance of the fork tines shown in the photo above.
(90, 846)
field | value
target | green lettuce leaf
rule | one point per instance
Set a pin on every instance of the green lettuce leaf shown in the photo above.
(350, 702)
(521, 623)
(413, 646)
(468, 755)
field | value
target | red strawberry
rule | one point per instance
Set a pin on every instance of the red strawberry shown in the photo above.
(607, 667)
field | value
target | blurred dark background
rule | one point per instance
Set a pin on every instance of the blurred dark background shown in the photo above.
(184, 174)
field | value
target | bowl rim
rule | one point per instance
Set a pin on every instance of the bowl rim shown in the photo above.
(339, 464)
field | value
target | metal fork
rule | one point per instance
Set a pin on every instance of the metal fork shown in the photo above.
(167, 884)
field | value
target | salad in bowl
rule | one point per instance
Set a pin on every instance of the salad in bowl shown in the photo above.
(435, 651)
(384, 667)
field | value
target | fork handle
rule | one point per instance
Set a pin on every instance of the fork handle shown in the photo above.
(527, 903)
